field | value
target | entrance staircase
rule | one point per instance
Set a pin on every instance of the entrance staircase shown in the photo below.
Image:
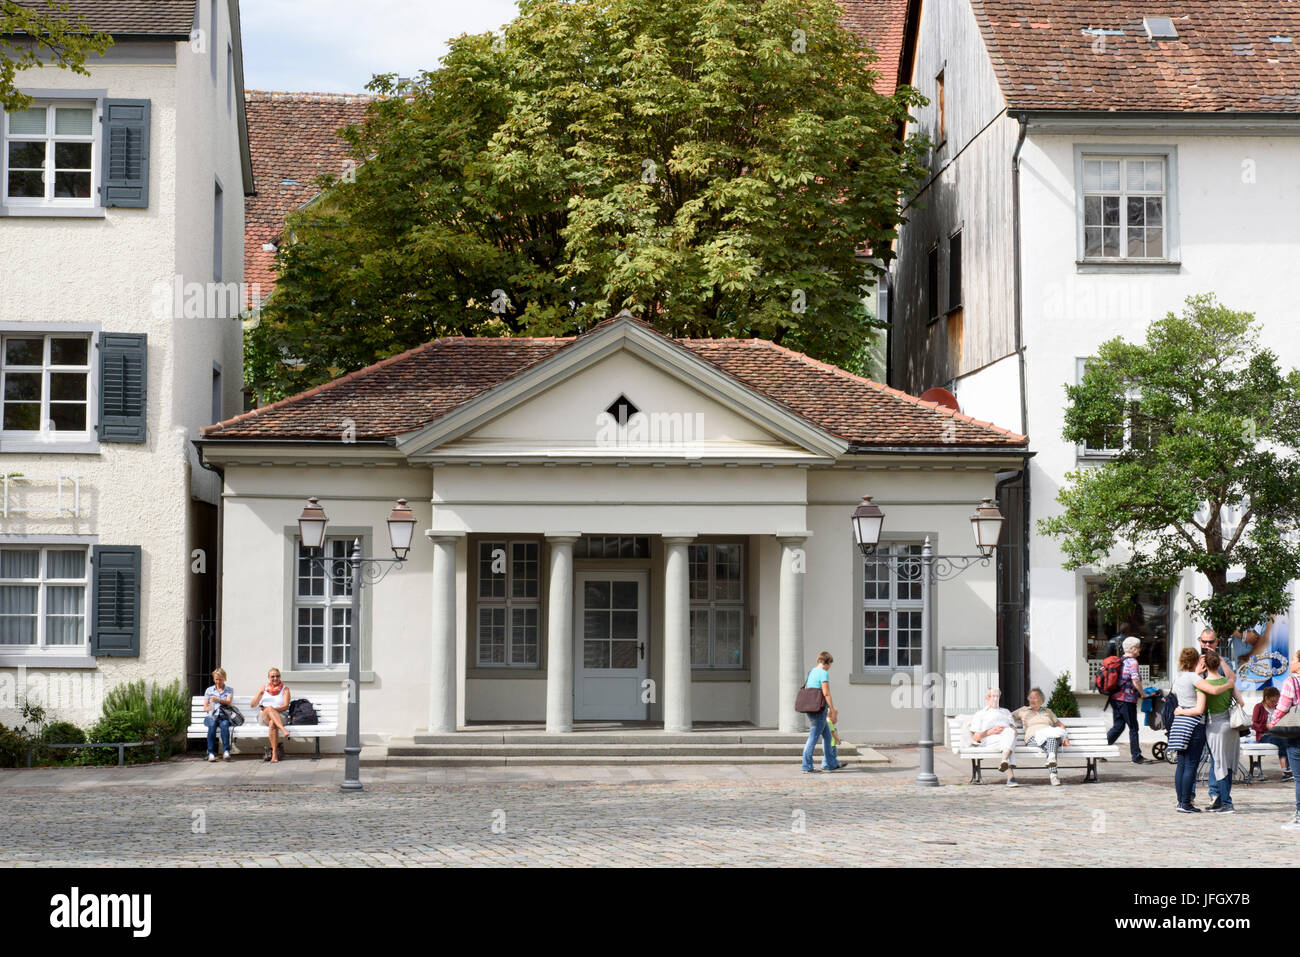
(603, 743)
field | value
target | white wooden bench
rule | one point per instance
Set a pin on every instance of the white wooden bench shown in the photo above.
(1087, 741)
(1257, 751)
(328, 710)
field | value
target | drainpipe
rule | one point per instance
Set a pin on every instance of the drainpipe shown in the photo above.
(1016, 293)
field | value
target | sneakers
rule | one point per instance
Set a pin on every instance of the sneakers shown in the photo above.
(1224, 809)
(1054, 778)
(1216, 806)
(225, 756)
(211, 756)
(838, 767)
(1004, 765)
(1287, 775)
(1141, 760)
(804, 770)
(1193, 809)
(1293, 824)
(1012, 783)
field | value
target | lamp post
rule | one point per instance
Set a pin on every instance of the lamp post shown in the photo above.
(986, 525)
(358, 572)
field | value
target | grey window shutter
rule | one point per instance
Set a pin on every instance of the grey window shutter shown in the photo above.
(115, 602)
(124, 166)
(123, 381)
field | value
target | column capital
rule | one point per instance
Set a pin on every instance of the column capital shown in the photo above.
(439, 536)
(678, 538)
(793, 538)
(562, 538)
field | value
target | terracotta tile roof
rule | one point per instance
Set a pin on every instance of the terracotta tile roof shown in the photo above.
(415, 388)
(880, 23)
(162, 18)
(1222, 61)
(294, 140)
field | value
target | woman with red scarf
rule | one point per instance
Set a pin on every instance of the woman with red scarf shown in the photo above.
(274, 700)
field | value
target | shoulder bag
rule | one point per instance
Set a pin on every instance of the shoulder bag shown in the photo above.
(809, 700)
(1288, 726)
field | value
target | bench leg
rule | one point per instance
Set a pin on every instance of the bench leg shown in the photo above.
(975, 776)
(316, 756)
(1091, 773)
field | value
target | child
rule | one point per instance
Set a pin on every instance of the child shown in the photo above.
(1259, 722)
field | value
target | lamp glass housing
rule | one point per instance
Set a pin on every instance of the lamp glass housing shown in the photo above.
(311, 524)
(401, 527)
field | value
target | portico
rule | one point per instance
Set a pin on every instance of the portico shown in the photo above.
(619, 527)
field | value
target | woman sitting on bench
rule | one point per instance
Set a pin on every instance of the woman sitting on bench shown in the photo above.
(1042, 729)
(274, 700)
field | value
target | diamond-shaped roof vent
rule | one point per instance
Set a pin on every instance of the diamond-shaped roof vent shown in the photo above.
(622, 410)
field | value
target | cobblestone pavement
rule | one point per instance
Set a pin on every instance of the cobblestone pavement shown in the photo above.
(188, 812)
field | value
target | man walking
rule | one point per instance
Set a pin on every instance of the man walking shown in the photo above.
(994, 724)
(1124, 701)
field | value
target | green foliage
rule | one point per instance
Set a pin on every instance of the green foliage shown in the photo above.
(60, 40)
(715, 166)
(1062, 702)
(169, 711)
(1214, 426)
(117, 726)
(129, 704)
(131, 714)
(13, 748)
(63, 732)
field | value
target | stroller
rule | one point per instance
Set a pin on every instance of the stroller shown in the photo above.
(1154, 704)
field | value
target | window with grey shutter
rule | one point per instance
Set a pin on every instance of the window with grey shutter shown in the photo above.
(125, 167)
(115, 604)
(123, 376)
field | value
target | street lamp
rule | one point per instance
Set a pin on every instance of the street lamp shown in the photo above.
(359, 572)
(930, 569)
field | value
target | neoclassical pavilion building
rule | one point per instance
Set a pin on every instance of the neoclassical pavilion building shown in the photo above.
(621, 526)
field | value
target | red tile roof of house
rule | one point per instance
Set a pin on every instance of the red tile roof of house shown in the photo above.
(880, 23)
(294, 140)
(144, 18)
(1222, 61)
(414, 389)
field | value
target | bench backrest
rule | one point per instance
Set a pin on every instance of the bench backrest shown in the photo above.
(328, 707)
(1082, 732)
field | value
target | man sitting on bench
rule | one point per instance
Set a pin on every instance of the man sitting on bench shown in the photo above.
(995, 725)
(1043, 729)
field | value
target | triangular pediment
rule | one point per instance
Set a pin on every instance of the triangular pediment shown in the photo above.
(622, 391)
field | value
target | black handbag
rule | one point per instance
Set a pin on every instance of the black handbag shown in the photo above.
(809, 700)
(232, 714)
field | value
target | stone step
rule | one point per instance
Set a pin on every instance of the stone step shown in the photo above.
(612, 737)
(379, 759)
(566, 749)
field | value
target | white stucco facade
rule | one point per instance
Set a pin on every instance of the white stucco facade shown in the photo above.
(103, 271)
(531, 467)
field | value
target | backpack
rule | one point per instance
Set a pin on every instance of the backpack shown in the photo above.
(302, 712)
(1107, 680)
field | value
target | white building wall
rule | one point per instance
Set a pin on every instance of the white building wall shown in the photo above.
(1237, 205)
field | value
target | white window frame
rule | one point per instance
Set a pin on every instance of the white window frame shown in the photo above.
(46, 439)
(893, 605)
(1099, 151)
(507, 604)
(334, 598)
(43, 582)
(712, 605)
(25, 203)
(1085, 451)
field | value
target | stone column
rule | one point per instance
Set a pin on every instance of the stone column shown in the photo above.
(559, 633)
(677, 633)
(442, 667)
(790, 631)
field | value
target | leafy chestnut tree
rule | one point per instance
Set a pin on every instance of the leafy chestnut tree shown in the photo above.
(38, 33)
(1209, 475)
(718, 167)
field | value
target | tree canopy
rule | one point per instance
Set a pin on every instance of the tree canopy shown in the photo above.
(718, 167)
(41, 33)
(1209, 475)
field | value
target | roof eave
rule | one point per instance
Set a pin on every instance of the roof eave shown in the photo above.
(1084, 121)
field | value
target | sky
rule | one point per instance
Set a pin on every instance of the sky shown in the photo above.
(335, 46)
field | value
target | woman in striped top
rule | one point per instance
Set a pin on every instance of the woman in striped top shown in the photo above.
(1290, 698)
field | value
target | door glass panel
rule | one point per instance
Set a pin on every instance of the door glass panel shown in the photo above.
(727, 637)
(624, 654)
(595, 654)
(596, 595)
(624, 625)
(700, 637)
(595, 625)
(625, 594)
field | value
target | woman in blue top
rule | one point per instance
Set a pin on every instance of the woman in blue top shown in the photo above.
(820, 677)
(219, 693)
